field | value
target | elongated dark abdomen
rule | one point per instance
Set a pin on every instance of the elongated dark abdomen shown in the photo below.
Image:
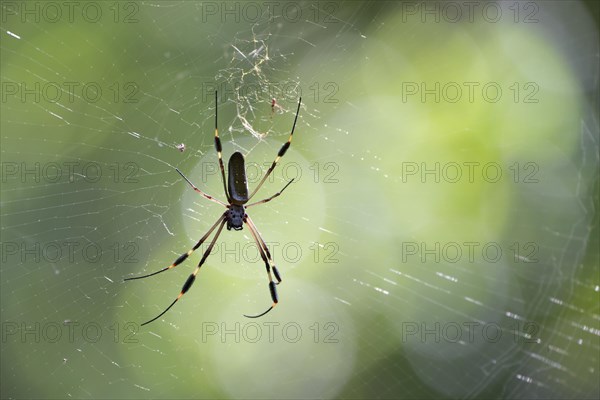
(237, 184)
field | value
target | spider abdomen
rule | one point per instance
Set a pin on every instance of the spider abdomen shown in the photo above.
(238, 184)
(235, 217)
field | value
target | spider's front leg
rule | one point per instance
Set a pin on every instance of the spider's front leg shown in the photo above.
(266, 256)
(262, 244)
(190, 280)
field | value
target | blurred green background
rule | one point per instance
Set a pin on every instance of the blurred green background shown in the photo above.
(440, 238)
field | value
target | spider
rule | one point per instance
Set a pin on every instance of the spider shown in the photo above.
(236, 191)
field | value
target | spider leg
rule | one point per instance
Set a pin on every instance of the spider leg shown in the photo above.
(209, 197)
(184, 255)
(272, 197)
(266, 256)
(219, 148)
(190, 280)
(261, 242)
(280, 154)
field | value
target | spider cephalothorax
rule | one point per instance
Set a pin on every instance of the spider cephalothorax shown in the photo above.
(235, 216)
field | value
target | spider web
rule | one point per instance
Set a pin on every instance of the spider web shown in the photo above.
(96, 116)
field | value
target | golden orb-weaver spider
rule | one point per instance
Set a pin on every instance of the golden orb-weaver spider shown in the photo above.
(235, 216)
